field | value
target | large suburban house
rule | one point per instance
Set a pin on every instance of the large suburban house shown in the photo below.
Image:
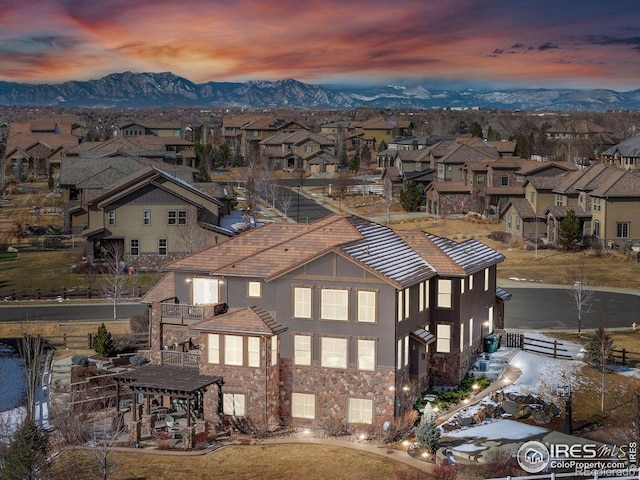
(624, 155)
(296, 150)
(341, 320)
(150, 216)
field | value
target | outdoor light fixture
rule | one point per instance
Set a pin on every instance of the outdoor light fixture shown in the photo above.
(405, 388)
(306, 431)
(475, 386)
(363, 436)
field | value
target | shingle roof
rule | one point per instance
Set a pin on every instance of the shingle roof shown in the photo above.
(561, 212)
(629, 148)
(544, 182)
(449, 187)
(162, 290)
(523, 208)
(471, 255)
(619, 184)
(248, 321)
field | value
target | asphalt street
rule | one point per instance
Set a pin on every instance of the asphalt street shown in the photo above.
(60, 312)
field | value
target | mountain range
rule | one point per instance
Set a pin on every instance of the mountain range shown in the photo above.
(140, 90)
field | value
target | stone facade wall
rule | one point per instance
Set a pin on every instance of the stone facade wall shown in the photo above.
(445, 369)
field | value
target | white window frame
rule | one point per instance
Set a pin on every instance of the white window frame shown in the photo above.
(253, 351)
(462, 281)
(367, 306)
(443, 338)
(303, 405)
(486, 279)
(213, 348)
(302, 302)
(366, 354)
(471, 282)
(406, 350)
(111, 218)
(205, 290)
(275, 350)
(182, 217)
(334, 304)
(302, 352)
(163, 247)
(421, 296)
(445, 293)
(146, 217)
(471, 332)
(407, 303)
(233, 350)
(399, 355)
(254, 289)
(400, 314)
(334, 352)
(461, 336)
(172, 217)
(134, 245)
(234, 404)
(427, 301)
(360, 410)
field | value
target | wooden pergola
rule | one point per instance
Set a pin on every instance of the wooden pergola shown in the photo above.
(166, 380)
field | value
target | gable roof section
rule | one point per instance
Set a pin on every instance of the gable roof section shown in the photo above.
(621, 184)
(543, 182)
(427, 248)
(630, 148)
(162, 290)
(448, 187)
(246, 321)
(471, 255)
(522, 207)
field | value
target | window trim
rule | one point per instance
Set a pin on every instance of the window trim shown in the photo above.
(251, 286)
(111, 218)
(146, 218)
(234, 350)
(136, 247)
(161, 247)
(445, 298)
(299, 359)
(252, 352)
(363, 407)
(367, 313)
(443, 333)
(363, 361)
(334, 311)
(302, 401)
(300, 304)
(324, 345)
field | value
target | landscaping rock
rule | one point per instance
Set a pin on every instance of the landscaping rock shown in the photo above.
(510, 407)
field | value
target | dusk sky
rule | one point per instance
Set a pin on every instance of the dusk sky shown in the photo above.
(489, 43)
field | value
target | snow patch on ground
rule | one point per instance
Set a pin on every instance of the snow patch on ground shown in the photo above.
(12, 391)
(499, 430)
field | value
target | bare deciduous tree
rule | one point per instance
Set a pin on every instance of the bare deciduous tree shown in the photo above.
(286, 199)
(191, 236)
(388, 198)
(580, 292)
(114, 282)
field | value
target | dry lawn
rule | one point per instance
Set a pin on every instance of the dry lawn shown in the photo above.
(264, 462)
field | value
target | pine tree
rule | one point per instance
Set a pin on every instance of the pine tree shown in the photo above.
(599, 349)
(569, 233)
(412, 198)
(383, 146)
(26, 457)
(476, 130)
(427, 433)
(103, 342)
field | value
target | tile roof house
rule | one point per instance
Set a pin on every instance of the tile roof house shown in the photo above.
(152, 217)
(293, 150)
(340, 320)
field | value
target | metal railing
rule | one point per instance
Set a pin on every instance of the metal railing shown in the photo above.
(181, 314)
(180, 359)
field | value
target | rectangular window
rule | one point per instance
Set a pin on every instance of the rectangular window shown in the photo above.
(406, 303)
(532, 197)
(509, 221)
(334, 352)
(213, 348)
(622, 229)
(426, 294)
(462, 282)
(470, 282)
(399, 355)
(366, 306)
(366, 355)
(335, 304)
(518, 223)
(596, 228)
(182, 217)
(558, 200)
(146, 217)
(253, 351)
(205, 290)
(486, 279)
(134, 247)
(443, 334)
(303, 405)
(360, 410)
(597, 204)
(444, 293)
(421, 296)
(302, 302)
(471, 332)
(275, 350)
(255, 289)
(461, 337)
(172, 217)
(162, 246)
(111, 218)
(406, 350)
(301, 350)
(504, 181)
(400, 306)
(480, 180)
(233, 350)
(233, 404)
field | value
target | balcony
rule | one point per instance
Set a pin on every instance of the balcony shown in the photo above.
(181, 359)
(184, 314)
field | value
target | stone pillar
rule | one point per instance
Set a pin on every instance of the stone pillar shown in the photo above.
(188, 437)
(134, 429)
(148, 422)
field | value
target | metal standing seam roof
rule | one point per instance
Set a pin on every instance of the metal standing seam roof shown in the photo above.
(503, 294)
(384, 251)
(471, 255)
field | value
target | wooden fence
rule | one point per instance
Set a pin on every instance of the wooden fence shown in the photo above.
(61, 294)
(81, 342)
(625, 357)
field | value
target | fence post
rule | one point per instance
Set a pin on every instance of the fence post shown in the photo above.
(89, 339)
(64, 339)
(624, 356)
(89, 292)
(555, 348)
(64, 293)
(38, 294)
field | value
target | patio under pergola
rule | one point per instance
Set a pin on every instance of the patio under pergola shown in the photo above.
(155, 383)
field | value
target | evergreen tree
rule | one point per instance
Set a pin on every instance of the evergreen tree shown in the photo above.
(476, 130)
(344, 158)
(412, 198)
(427, 433)
(569, 233)
(523, 146)
(354, 164)
(26, 457)
(103, 342)
(599, 349)
(383, 146)
(202, 175)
